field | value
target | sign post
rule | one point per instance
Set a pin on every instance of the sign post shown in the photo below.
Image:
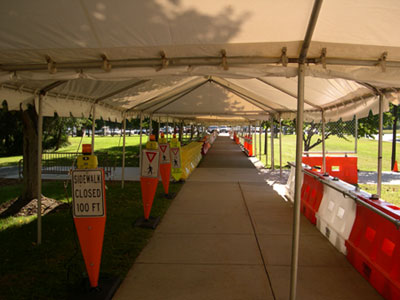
(149, 176)
(89, 212)
(165, 164)
(176, 168)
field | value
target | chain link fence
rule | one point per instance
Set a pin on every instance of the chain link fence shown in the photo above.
(340, 137)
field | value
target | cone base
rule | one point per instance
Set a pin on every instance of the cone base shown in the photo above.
(170, 195)
(108, 285)
(150, 223)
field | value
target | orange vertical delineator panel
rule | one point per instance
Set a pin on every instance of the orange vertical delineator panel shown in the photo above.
(89, 212)
(165, 163)
(149, 175)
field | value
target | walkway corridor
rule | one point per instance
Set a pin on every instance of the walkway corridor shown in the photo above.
(227, 235)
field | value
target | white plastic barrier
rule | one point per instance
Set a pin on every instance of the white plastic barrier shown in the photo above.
(336, 215)
(212, 137)
(290, 184)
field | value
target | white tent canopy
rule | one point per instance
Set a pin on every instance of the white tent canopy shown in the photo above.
(198, 59)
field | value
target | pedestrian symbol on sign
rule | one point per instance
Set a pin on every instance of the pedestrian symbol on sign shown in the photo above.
(150, 163)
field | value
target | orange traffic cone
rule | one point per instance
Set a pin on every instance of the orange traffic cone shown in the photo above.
(395, 168)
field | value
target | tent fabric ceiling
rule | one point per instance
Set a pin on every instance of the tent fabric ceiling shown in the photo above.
(211, 60)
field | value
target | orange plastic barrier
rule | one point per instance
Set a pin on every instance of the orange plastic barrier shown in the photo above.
(312, 191)
(342, 167)
(373, 248)
(250, 146)
(205, 148)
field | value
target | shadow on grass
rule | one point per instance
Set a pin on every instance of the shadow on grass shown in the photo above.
(55, 269)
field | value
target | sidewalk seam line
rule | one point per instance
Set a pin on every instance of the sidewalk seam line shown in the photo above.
(257, 241)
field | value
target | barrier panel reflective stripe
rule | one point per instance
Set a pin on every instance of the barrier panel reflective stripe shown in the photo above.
(374, 248)
(342, 167)
(336, 215)
(311, 195)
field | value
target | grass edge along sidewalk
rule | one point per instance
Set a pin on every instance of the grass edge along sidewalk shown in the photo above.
(55, 269)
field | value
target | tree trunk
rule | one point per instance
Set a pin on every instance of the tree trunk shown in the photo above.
(395, 108)
(30, 180)
(30, 154)
(59, 134)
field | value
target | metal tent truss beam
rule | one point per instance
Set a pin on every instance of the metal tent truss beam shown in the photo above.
(178, 97)
(248, 99)
(128, 87)
(163, 96)
(155, 63)
(230, 86)
(288, 93)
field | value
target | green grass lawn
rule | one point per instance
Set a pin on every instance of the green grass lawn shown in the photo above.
(389, 192)
(55, 269)
(111, 145)
(367, 151)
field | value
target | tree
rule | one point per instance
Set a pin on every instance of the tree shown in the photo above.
(395, 116)
(10, 132)
(367, 127)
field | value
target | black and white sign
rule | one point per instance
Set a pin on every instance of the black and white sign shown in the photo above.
(164, 154)
(175, 158)
(150, 160)
(88, 192)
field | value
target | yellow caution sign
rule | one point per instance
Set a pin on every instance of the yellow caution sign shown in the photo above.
(176, 168)
(87, 160)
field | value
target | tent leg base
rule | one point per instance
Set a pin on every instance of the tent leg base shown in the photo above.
(151, 223)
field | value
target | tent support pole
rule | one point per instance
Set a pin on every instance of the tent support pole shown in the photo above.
(272, 143)
(255, 141)
(323, 142)
(356, 134)
(167, 126)
(259, 138)
(266, 145)
(150, 127)
(93, 126)
(297, 187)
(181, 132)
(140, 141)
(299, 146)
(123, 154)
(379, 182)
(280, 147)
(159, 128)
(39, 169)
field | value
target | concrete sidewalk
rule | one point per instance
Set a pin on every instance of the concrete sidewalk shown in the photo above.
(227, 235)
